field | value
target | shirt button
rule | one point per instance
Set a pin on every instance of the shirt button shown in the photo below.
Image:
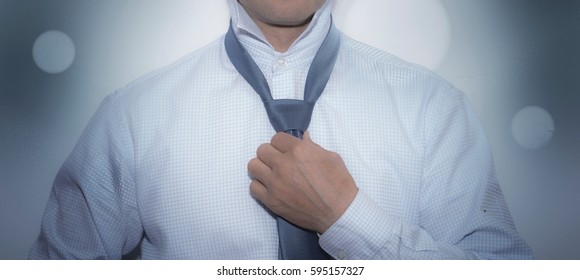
(281, 61)
(341, 255)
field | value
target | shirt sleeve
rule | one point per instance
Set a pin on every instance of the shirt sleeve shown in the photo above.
(92, 211)
(463, 214)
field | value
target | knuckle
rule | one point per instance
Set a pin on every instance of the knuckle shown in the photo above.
(262, 149)
(276, 137)
(252, 164)
(256, 190)
(254, 186)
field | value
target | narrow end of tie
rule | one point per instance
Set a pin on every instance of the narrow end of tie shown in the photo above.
(295, 132)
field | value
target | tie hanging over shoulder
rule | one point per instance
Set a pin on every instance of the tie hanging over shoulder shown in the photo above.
(287, 114)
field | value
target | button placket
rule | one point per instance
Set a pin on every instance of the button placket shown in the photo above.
(280, 64)
(282, 79)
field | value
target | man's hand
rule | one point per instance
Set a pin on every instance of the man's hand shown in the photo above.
(301, 182)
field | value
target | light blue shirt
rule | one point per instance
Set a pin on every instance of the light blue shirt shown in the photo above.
(162, 164)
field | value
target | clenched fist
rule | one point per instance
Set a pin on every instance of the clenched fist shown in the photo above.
(301, 182)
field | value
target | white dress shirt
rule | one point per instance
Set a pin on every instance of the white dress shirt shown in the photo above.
(163, 162)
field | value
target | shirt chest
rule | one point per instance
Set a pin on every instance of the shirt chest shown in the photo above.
(194, 171)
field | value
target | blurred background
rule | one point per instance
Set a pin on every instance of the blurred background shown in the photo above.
(518, 61)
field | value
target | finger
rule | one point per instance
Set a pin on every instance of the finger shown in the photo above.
(268, 154)
(307, 138)
(258, 170)
(258, 191)
(284, 142)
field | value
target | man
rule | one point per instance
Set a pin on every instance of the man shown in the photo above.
(394, 164)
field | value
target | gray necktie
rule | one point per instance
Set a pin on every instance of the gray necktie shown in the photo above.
(291, 116)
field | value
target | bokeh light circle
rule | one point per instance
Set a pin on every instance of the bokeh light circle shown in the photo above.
(53, 51)
(533, 127)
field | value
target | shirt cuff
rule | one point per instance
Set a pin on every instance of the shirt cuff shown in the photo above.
(361, 231)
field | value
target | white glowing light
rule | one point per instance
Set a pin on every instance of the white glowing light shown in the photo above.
(415, 30)
(532, 127)
(53, 51)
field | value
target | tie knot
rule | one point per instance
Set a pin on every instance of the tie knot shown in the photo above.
(289, 114)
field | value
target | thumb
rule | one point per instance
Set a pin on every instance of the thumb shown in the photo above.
(306, 136)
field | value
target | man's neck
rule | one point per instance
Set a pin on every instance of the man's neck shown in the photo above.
(281, 37)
